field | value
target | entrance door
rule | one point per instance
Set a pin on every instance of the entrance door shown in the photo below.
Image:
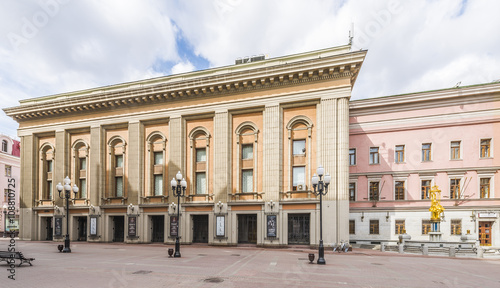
(118, 228)
(247, 229)
(200, 228)
(485, 233)
(82, 229)
(49, 229)
(158, 228)
(298, 229)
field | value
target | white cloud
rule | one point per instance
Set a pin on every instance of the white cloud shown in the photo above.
(413, 45)
(183, 67)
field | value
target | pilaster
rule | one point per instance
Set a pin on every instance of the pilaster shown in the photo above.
(135, 160)
(176, 149)
(222, 182)
(96, 165)
(273, 163)
(61, 163)
(27, 188)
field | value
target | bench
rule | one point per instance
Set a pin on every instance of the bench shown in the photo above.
(7, 256)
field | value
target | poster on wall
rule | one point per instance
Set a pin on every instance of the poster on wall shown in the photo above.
(220, 224)
(132, 226)
(173, 225)
(58, 222)
(271, 225)
(93, 226)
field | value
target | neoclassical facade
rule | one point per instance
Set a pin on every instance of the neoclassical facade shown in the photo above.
(403, 145)
(247, 138)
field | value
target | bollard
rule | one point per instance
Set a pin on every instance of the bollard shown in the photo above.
(452, 251)
(480, 252)
(401, 248)
(425, 250)
(382, 247)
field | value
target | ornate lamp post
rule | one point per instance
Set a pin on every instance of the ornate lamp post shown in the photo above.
(178, 188)
(67, 195)
(322, 189)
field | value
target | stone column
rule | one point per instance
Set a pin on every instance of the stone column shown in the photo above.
(222, 157)
(343, 169)
(27, 188)
(135, 161)
(61, 165)
(272, 153)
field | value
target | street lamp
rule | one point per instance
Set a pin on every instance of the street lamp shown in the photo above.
(322, 190)
(178, 188)
(67, 195)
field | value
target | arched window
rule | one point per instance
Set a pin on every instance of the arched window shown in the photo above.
(116, 164)
(46, 168)
(80, 151)
(246, 149)
(199, 139)
(156, 164)
(299, 158)
(5, 146)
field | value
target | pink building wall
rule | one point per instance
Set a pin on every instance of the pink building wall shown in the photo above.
(9, 158)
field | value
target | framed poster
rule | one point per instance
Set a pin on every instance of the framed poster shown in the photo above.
(93, 226)
(58, 223)
(220, 226)
(132, 226)
(271, 225)
(173, 225)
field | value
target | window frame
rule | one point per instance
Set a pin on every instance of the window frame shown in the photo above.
(395, 189)
(426, 226)
(429, 188)
(456, 224)
(399, 226)
(374, 227)
(399, 155)
(374, 154)
(355, 183)
(352, 227)
(454, 150)
(490, 151)
(429, 154)
(455, 194)
(352, 156)
(5, 146)
(243, 188)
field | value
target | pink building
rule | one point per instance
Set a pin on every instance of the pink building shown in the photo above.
(9, 181)
(403, 145)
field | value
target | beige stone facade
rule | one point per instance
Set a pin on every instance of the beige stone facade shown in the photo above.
(247, 138)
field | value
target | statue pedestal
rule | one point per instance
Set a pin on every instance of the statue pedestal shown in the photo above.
(435, 236)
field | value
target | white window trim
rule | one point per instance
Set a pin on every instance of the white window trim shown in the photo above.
(400, 179)
(460, 176)
(238, 131)
(195, 131)
(355, 181)
(369, 153)
(432, 151)
(460, 150)
(425, 178)
(355, 157)
(492, 184)
(379, 180)
(491, 147)
(404, 154)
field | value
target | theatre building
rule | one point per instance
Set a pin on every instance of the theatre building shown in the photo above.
(247, 138)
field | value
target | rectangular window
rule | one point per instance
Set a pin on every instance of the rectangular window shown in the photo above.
(426, 187)
(247, 181)
(426, 152)
(374, 193)
(299, 176)
(400, 227)
(485, 148)
(4, 146)
(374, 156)
(49, 165)
(83, 188)
(201, 155)
(49, 190)
(83, 163)
(456, 227)
(374, 227)
(399, 190)
(426, 227)
(399, 156)
(119, 186)
(352, 156)
(201, 183)
(454, 188)
(158, 158)
(485, 187)
(352, 191)
(455, 150)
(352, 227)
(158, 185)
(299, 147)
(247, 151)
(118, 161)
(8, 170)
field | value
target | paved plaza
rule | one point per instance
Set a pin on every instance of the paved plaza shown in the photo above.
(148, 265)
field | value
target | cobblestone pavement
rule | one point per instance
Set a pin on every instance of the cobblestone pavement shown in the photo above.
(148, 265)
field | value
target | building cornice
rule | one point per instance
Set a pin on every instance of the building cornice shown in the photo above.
(439, 98)
(323, 65)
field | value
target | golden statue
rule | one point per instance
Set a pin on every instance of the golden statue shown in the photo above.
(436, 208)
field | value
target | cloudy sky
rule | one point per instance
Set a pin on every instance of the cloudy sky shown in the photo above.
(55, 46)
